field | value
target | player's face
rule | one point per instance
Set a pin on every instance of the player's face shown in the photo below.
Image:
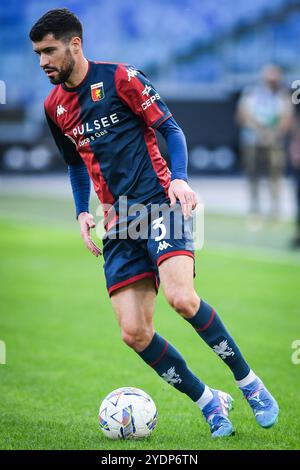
(56, 58)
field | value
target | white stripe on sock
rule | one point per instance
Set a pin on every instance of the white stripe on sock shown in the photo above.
(205, 398)
(247, 380)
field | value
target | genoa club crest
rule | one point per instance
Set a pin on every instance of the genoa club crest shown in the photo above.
(97, 91)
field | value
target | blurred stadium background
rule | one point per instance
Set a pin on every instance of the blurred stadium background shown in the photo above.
(200, 55)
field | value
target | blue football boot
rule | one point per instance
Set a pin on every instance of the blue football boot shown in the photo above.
(264, 406)
(216, 414)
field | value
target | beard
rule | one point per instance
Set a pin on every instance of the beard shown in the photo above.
(65, 70)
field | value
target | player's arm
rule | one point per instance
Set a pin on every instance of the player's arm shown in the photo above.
(81, 186)
(179, 188)
(138, 93)
(80, 183)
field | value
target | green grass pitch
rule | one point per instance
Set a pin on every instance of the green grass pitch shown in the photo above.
(64, 352)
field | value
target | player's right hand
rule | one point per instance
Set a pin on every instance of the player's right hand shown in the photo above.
(86, 222)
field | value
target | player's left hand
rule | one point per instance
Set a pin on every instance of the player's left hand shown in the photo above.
(179, 189)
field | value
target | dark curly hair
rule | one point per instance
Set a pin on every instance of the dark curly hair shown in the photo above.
(61, 22)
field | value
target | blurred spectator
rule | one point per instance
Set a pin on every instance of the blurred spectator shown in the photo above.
(295, 160)
(265, 115)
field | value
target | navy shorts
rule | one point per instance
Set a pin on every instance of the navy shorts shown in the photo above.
(133, 249)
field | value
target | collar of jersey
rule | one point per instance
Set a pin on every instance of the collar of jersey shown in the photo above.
(81, 84)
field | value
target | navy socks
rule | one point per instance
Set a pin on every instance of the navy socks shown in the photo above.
(171, 367)
(209, 326)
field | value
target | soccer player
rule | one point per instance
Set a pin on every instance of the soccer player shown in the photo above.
(102, 117)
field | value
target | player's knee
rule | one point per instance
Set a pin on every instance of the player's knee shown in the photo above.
(184, 302)
(137, 338)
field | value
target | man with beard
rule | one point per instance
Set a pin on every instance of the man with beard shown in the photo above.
(102, 117)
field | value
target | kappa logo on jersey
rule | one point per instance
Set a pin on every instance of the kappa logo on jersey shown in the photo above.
(163, 246)
(97, 91)
(131, 73)
(146, 90)
(60, 110)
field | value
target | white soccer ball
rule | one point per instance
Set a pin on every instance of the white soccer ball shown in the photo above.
(127, 413)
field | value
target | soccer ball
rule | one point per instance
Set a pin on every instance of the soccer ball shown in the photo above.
(127, 413)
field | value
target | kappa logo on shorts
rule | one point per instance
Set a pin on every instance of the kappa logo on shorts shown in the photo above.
(163, 246)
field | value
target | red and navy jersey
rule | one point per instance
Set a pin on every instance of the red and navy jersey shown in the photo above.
(108, 121)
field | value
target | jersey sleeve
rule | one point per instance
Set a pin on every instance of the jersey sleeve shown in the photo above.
(177, 148)
(137, 92)
(66, 148)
